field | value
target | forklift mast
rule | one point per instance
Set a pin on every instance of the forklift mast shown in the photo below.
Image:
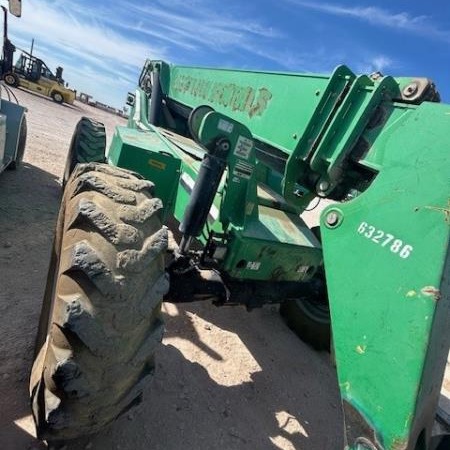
(8, 47)
(33, 68)
(15, 8)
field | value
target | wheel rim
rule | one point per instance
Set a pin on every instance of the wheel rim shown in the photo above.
(9, 79)
(58, 98)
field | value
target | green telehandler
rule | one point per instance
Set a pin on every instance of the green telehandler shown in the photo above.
(201, 196)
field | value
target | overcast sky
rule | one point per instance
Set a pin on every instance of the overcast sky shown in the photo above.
(103, 44)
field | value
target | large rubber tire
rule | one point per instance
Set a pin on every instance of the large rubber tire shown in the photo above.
(310, 320)
(88, 145)
(11, 79)
(309, 317)
(101, 319)
(57, 97)
(22, 140)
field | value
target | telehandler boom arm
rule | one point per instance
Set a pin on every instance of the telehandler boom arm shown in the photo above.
(381, 143)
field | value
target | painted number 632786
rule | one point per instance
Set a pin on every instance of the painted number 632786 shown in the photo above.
(384, 239)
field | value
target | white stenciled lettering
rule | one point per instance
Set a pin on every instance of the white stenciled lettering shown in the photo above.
(387, 240)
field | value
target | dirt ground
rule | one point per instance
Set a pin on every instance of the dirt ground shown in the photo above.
(226, 378)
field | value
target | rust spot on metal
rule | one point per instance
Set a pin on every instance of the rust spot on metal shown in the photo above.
(399, 444)
(445, 211)
(358, 429)
(411, 293)
(431, 291)
(361, 349)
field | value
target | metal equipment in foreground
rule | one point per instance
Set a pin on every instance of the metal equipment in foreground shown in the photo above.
(229, 160)
(13, 125)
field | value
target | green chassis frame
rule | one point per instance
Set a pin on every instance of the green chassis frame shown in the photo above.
(385, 252)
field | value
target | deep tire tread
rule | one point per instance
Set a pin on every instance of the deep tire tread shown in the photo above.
(88, 145)
(106, 321)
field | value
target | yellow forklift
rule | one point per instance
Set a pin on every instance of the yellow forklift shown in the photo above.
(32, 73)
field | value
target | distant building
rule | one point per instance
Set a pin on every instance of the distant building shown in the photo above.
(84, 98)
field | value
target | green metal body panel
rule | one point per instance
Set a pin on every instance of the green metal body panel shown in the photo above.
(361, 101)
(275, 246)
(385, 250)
(258, 100)
(145, 153)
(255, 99)
(390, 329)
(263, 242)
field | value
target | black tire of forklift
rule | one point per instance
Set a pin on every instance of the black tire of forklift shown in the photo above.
(57, 97)
(11, 79)
(21, 143)
(101, 318)
(88, 145)
(309, 318)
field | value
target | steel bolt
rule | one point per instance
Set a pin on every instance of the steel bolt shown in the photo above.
(375, 75)
(324, 185)
(332, 218)
(410, 90)
(224, 145)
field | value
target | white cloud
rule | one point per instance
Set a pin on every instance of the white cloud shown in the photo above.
(60, 25)
(318, 61)
(103, 46)
(421, 25)
(376, 63)
(65, 37)
(114, 39)
(192, 27)
(381, 62)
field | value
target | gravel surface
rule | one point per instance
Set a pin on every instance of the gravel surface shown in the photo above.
(225, 379)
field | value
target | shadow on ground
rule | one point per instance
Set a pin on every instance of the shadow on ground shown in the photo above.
(283, 399)
(29, 199)
(43, 97)
(288, 400)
